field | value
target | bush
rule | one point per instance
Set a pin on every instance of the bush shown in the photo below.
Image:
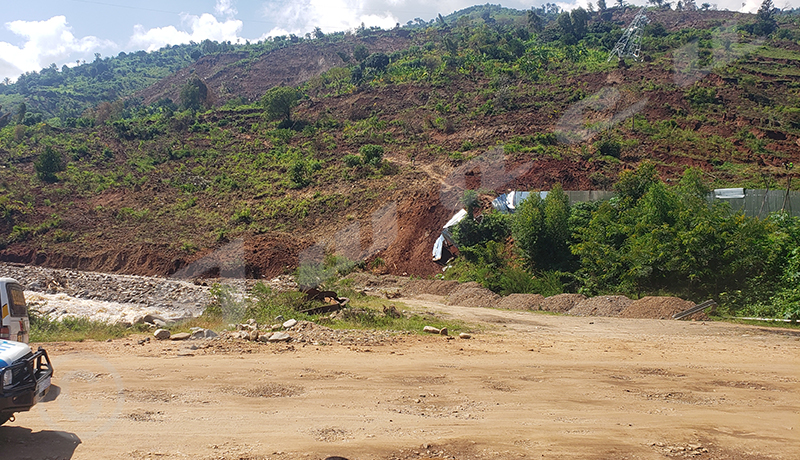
(377, 61)
(372, 154)
(48, 164)
(608, 146)
(697, 95)
(351, 160)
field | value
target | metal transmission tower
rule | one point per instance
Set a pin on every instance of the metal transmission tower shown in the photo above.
(631, 42)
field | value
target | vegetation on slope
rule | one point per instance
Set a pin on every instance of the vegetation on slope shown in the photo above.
(651, 239)
(182, 176)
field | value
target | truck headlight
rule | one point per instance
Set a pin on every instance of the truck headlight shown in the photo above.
(8, 378)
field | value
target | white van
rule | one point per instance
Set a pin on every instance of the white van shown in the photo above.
(25, 375)
(14, 323)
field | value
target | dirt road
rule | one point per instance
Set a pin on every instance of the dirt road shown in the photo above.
(525, 385)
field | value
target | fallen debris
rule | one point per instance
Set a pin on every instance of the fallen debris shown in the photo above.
(695, 309)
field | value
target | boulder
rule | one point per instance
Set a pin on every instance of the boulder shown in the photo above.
(180, 336)
(279, 337)
(161, 334)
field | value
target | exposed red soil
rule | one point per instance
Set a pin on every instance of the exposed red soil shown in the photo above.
(424, 191)
(290, 66)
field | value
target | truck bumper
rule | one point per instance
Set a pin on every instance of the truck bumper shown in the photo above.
(31, 379)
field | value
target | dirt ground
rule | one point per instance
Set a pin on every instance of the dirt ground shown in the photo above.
(525, 385)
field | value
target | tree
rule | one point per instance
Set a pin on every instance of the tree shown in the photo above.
(4, 118)
(279, 102)
(360, 52)
(527, 229)
(632, 185)
(195, 95)
(318, 33)
(541, 230)
(22, 109)
(377, 61)
(48, 164)
(765, 24)
(579, 18)
(564, 22)
(535, 21)
(601, 6)
(765, 12)
(556, 229)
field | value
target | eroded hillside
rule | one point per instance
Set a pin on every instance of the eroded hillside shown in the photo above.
(377, 156)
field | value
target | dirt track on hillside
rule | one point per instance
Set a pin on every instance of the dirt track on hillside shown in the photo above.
(526, 385)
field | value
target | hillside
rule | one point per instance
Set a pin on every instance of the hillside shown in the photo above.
(379, 151)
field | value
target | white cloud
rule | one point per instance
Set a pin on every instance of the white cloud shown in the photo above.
(202, 27)
(329, 15)
(45, 42)
(225, 8)
(750, 6)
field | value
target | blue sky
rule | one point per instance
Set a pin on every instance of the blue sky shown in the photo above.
(36, 33)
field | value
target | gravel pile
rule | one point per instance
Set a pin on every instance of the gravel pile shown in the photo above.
(431, 287)
(473, 295)
(562, 303)
(608, 305)
(521, 302)
(659, 308)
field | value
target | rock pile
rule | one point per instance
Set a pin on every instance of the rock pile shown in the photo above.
(306, 332)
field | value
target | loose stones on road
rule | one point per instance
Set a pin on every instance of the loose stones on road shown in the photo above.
(279, 337)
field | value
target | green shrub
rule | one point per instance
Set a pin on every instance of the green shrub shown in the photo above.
(372, 154)
(351, 160)
(48, 164)
(608, 146)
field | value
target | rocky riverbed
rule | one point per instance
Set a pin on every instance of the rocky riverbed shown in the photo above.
(112, 298)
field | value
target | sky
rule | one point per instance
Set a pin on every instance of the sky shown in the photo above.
(37, 33)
